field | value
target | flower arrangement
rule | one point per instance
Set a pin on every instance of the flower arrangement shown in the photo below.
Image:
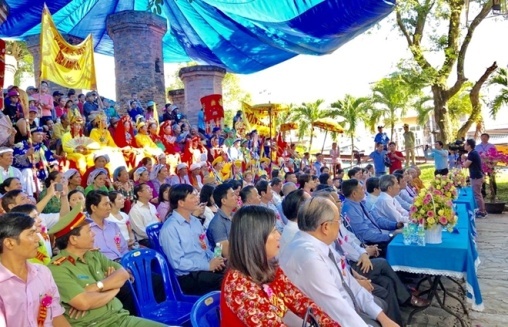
(443, 186)
(458, 178)
(491, 164)
(45, 302)
(432, 208)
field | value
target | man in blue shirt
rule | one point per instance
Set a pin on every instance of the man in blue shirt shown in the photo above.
(473, 162)
(183, 240)
(382, 138)
(440, 156)
(378, 157)
(367, 228)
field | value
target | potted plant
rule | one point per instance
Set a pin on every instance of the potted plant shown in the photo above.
(491, 164)
(433, 208)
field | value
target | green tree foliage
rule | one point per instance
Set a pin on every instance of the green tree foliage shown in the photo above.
(24, 60)
(499, 80)
(305, 115)
(354, 111)
(438, 26)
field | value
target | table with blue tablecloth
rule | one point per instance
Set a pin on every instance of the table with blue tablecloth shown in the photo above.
(455, 257)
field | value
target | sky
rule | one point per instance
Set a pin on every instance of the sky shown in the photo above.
(352, 68)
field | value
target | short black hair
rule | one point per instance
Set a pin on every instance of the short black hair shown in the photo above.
(289, 173)
(51, 177)
(399, 171)
(71, 193)
(245, 192)
(262, 186)
(275, 181)
(349, 186)
(24, 208)
(371, 184)
(353, 171)
(441, 143)
(471, 143)
(12, 225)
(221, 192)
(7, 183)
(323, 178)
(178, 193)
(10, 198)
(93, 198)
(486, 134)
(292, 203)
(398, 176)
(275, 173)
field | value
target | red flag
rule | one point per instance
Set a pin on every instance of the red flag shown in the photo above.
(214, 113)
(281, 145)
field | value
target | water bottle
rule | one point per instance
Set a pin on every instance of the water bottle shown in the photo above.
(414, 233)
(135, 245)
(217, 252)
(421, 235)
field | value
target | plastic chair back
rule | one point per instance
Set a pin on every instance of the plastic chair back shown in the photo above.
(170, 311)
(153, 231)
(206, 311)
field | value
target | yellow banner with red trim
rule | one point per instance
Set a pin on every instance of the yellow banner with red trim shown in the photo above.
(62, 63)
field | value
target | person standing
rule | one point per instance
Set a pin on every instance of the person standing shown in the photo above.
(396, 157)
(378, 157)
(440, 156)
(409, 144)
(473, 162)
(382, 138)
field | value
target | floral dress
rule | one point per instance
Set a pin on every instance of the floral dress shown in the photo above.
(245, 303)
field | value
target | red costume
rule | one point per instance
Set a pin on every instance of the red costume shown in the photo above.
(124, 138)
(167, 138)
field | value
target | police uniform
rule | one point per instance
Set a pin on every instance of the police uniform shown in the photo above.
(72, 274)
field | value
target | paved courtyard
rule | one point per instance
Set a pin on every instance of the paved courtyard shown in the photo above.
(493, 274)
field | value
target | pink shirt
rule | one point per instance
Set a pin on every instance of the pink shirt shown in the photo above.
(47, 103)
(19, 305)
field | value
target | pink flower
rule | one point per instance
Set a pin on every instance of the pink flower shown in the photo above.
(413, 209)
(443, 220)
(117, 239)
(268, 290)
(430, 213)
(43, 229)
(427, 200)
(202, 237)
(46, 300)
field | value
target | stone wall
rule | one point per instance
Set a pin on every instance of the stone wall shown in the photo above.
(200, 81)
(177, 97)
(139, 65)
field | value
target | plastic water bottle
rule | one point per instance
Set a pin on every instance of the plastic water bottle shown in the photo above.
(217, 252)
(421, 235)
(413, 228)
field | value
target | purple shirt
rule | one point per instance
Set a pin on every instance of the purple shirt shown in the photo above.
(109, 240)
(480, 148)
(19, 305)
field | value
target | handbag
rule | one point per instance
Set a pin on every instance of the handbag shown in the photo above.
(309, 320)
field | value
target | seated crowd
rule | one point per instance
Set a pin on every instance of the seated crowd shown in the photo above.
(281, 239)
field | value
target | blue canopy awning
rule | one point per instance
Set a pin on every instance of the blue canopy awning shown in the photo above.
(243, 36)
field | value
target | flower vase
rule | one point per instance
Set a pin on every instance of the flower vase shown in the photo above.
(434, 235)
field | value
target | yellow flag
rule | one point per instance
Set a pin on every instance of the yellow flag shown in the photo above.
(62, 63)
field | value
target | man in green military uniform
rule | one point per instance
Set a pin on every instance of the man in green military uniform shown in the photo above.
(88, 281)
(409, 144)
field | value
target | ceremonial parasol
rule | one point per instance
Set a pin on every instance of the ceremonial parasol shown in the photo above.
(328, 125)
(288, 127)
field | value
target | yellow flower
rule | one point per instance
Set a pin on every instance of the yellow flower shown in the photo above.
(448, 194)
(438, 187)
(440, 212)
(431, 221)
(422, 211)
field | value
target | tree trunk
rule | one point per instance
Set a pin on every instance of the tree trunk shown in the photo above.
(441, 114)
(352, 150)
(311, 136)
(474, 97)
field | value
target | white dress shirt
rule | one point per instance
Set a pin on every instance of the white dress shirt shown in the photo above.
(350, 244)
(288, 234)
(404, 195)
(306, 263)
(386, 206)
(142, 215)
(403, 203)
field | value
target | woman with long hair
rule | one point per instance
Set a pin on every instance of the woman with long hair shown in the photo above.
(9, 184)
(120, 218)
(206, 196)
(54, 204)
(78, 154)
(255, 291)
(164, 208)
(124, 139)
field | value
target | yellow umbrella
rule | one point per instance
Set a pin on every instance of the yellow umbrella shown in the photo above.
(288, 127)
(327, 124)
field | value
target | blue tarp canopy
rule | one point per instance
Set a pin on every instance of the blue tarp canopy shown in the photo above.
(243, 36)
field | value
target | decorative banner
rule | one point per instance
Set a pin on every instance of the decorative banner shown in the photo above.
(2, 72)
(65, 64)
(213, 110)
(4, 12)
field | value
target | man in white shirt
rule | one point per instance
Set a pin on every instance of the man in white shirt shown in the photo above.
(386, 206)
(403, 198)
(266, 196)
(315, 268)
(142, 213)
(276, 185)
(373, 191)
(8, 171)
(290, 206)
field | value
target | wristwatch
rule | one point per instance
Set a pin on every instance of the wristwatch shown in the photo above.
(100, 285)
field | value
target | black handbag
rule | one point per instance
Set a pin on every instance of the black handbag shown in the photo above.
(387, 161)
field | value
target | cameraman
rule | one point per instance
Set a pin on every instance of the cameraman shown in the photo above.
(473, 162)
(440, 156)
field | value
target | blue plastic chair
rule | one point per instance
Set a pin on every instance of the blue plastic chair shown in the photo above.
(171, 311)
(153, 231)
(206, 311)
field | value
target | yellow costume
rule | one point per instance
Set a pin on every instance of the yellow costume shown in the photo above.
(103, 137)
(80, 159)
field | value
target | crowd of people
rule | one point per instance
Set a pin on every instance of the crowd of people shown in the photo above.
(296, 236)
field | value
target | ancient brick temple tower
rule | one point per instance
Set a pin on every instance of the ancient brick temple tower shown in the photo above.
(139, 65)
(200, 81)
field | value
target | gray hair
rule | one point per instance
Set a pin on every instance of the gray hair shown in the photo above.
(386, 181)
(288, 187)
(314, 212)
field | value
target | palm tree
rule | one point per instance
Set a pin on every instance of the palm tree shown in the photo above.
(391, 95)
(499, 79)
(305, 115)
(353, 110)
(24, 60)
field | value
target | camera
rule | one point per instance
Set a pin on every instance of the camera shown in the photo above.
(457, 146)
